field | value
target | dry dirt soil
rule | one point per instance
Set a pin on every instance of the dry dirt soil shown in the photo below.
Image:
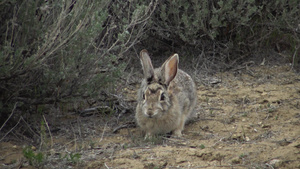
(246, 118)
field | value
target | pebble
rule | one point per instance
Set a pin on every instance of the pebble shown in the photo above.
(274, 161)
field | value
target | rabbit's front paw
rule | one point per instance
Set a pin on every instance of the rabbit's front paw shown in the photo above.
(177, 133)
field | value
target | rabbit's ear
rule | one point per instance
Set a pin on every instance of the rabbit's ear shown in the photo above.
(169, 68)
(147, 65)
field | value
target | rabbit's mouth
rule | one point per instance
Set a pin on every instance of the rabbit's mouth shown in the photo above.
(151, 114)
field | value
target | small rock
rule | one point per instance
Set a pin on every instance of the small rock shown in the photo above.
(184, 143)
(283, 142)
(236, 161)
(52, 151)
(265, 126)
(274, 161)
(180, 160)
(264, 93)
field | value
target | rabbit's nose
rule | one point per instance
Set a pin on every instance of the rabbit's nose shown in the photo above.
(150, 113)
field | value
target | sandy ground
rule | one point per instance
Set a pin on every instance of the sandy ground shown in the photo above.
(247, 118)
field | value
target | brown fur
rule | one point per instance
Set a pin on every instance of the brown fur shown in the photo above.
(166, 98)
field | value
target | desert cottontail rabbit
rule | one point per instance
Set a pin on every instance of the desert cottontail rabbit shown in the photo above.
(166, 98)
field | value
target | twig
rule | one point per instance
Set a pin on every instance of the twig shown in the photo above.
(218, 142)
(175, 139)
(222, 166)
(231, 166)
(49, 131)
(12, 112)
(127, 125)
(269, 165)
(79, 127)
(94, 109)
(294, 57)
(11, 129)
(30, 128)
(103, 132)
(106, 166)
(75, 139)
(17, 164)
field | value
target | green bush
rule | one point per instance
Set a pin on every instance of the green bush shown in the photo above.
(64, 51)
(34, 159)
(45, 58)
(237, 26)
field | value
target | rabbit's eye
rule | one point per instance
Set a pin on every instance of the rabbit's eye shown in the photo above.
(162, 97)
(143, 96)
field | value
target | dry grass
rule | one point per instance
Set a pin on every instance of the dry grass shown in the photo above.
(243, 122)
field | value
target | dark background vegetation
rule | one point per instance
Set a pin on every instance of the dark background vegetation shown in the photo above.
(60, 53)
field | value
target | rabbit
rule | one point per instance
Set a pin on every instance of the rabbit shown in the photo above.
(166, 98)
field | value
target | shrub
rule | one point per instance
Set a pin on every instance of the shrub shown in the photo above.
(227, 27)
(64, 51)
(34, 159)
